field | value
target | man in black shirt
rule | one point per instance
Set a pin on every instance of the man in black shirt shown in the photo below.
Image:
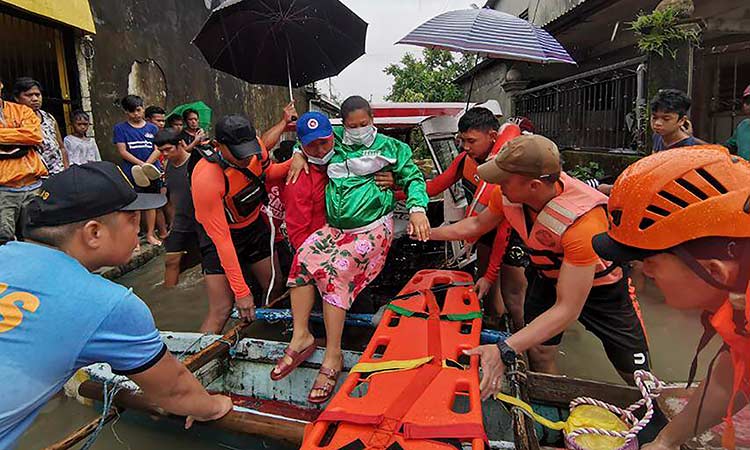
(183, 239)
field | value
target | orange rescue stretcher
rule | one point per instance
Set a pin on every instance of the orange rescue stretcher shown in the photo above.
(413, 388)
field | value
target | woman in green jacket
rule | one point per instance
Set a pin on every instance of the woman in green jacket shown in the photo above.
(344, 256)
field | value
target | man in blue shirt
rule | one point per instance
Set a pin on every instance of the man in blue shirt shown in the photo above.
(56, 316)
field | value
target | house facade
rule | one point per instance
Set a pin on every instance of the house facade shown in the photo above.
(601, 104)
(88, 54)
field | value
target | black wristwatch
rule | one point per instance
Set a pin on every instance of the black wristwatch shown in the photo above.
(507, 354)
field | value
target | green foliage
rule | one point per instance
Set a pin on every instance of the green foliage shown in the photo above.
(418, 145)
(587, 172)
(429, 78)
(660, 32)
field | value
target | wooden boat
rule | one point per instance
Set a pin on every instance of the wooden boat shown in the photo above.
(274, 414)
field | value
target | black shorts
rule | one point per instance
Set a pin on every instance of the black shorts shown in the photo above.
(181, 242)
(185, 243)
(153, 188)
(252, 244)
(608, 313)
(515, 253)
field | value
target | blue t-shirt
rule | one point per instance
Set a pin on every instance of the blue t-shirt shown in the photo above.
(56, 317)
(139, 142)
(658, 144)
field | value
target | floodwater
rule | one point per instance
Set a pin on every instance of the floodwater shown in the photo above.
(673, 336)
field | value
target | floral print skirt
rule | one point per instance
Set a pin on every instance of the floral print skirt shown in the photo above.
(341, 264)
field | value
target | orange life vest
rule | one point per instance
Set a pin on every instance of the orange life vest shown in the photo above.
(544, 240)
(244, 188)
(732, 325)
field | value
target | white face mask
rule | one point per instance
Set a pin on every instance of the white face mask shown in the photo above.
(360, 136)
(320, 161)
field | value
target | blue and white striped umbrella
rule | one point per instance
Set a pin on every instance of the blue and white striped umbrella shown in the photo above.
(488, 33)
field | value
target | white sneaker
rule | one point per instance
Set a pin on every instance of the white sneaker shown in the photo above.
(151, 171)
(139, 177)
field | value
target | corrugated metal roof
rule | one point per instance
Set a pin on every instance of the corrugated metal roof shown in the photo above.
(567, 11)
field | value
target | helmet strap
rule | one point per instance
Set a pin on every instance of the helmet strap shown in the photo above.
(699, 270)
(740, 285)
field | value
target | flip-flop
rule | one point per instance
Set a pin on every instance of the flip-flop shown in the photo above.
(151, 171)
(139, 177)
(327, 386)
(297, 359)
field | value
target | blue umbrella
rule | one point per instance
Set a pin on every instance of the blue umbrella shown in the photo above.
(491, 34)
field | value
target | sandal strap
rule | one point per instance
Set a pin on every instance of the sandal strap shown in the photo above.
(328, 372)
(291, 353)
(326, 386)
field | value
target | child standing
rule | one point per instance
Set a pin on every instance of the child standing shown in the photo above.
(81, 148)
(134, 139)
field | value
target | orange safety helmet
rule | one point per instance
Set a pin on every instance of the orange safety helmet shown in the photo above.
(675, 196)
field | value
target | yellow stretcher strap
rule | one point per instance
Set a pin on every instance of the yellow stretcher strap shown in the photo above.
(526, 407)
(390, 366)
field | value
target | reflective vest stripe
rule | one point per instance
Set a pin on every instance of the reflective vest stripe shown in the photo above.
(544, 218)
(554, 206)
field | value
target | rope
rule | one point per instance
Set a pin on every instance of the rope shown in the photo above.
(648, 392)
(108, 398)
(181, 356)
(232, 346)
(273, 239)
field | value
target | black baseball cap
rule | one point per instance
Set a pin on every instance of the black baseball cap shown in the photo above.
(86, 191)
(239, 135)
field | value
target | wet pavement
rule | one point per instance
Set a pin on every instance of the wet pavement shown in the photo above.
(673, 336)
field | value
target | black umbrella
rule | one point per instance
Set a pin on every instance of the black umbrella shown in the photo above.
(282, 42)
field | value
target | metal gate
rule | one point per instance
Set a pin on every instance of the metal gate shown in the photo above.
(591, 110)
(725, 73)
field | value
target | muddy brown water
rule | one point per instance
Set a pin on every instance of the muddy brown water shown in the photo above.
(673, 336)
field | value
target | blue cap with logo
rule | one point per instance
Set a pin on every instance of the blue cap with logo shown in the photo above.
(313, 125)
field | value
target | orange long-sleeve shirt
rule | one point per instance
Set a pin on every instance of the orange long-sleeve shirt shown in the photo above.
(208, 191)
(19, 126)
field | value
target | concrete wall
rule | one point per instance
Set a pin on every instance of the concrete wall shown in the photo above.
(488, 86)
(143, 47)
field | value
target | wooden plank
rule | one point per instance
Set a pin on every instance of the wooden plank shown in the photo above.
(523, 425)
(217, 349)
(557, 390)
(83, 432)
(194, 362)
(287, 430)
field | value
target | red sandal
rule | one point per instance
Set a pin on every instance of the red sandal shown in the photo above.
(327, 386)
(297, 359)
